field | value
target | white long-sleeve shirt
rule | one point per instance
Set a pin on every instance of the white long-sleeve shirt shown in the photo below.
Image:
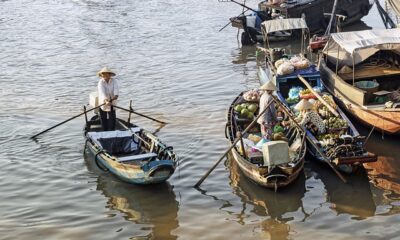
(107, 91)
(269, 115)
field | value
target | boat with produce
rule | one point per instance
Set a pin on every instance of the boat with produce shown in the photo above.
(274, 164)
(361, 69)
(130, 153)
(342, 145)
(315, 12)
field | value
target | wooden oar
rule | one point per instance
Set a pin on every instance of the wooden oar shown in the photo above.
(318, 96)
(231, 21)
(232, 146)
(311, 141)
(133, 133)
(69, 119)
(140, 114)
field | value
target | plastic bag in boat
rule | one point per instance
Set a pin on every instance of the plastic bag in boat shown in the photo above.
(285, 68)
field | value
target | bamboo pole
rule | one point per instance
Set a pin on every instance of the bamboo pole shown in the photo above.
(318, 96)
(232, 146)
(311, 141)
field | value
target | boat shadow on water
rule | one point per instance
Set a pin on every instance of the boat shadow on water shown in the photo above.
(272, 207)
(354, 198)
(143, 205)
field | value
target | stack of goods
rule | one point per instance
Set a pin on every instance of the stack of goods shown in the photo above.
(307, 94)
(246, 110)
(286, 66)
(294, 95)
(335, 124)
(252, 95)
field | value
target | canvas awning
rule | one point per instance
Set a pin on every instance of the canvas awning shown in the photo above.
(360, 45)
(395, 4)
(283, 25)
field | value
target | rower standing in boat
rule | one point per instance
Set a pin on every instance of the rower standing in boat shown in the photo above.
(267, 121)
(108, 93)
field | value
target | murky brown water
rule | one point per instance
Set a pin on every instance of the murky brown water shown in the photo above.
(174, 64)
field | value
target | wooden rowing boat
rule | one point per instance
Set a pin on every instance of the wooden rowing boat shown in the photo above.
(131, 153)
(254, 166)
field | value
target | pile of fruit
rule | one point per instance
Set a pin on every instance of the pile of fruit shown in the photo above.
(252, 95)
(246, 110)
(335, 122)
(307, 94)
(291, 101)
(327, 139)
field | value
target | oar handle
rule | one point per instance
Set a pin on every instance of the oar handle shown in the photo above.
(140, 114)
(233, 145)
(69, 119)
(318, 96)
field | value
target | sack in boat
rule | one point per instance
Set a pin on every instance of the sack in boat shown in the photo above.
(254, 138)
(285, 68)
(280, 61)
(302, 64)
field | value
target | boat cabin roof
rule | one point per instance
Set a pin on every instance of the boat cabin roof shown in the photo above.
(350, 48)
(277, 25)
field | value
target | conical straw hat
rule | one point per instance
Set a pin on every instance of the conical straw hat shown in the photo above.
(105, 70)
(268, 86)
(303, 105)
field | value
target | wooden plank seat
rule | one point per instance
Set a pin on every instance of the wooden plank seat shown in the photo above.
(136, 157)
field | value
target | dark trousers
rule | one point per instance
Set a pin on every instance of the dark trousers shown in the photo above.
(108, 119)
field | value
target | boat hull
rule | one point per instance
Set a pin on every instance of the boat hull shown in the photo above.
(262, 175)
(133, 174)
(272, 180)
(384, 120)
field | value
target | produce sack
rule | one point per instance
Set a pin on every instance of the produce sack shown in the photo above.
(285, 68)
(280, 61)
(295, 59)
(302, 64)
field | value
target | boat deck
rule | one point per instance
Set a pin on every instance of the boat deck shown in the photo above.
(369, 72)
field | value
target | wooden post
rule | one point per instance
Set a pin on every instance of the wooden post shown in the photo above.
(84, 110)
(337, 60)
(240, 136)
(353, 67)
(130, 113)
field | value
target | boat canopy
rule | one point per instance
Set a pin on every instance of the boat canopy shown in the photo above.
(276, 25)
(350, 48)
(395, 4)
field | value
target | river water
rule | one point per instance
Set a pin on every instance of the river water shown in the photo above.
(175, 66)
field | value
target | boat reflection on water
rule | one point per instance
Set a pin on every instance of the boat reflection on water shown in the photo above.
(154, 205)
(354, 198)
(385, 173)
(274, 206)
